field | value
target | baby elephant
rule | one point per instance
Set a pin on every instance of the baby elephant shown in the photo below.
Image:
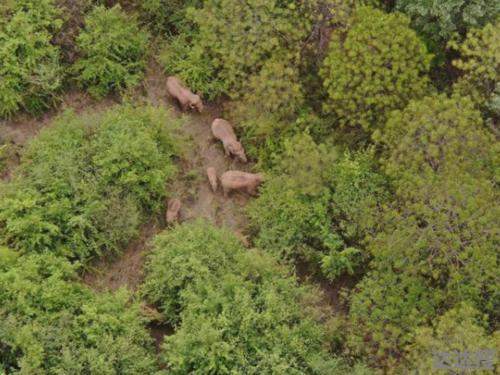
(184, 96)
(237, 180)
(173, 208)
(223, 130)
(212, 178)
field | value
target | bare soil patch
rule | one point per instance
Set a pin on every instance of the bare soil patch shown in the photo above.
(125, 269)
(191, 186)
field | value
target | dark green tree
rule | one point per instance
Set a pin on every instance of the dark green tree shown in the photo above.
(438, 21)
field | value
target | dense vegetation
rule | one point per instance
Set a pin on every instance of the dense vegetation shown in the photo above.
(86, 183)
(30, 68)
(52, 324)
(112, 49)
(375, 124)
(235, 311)
(380, 46)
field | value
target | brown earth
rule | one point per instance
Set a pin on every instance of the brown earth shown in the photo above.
(191, 187)
(21, 128)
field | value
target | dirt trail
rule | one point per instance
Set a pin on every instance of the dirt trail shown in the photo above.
(23, 127)
(19, 130)
(191, 187)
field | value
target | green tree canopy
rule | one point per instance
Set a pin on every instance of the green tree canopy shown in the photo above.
(85, 183)
(480, 65)
(318, 206)
(459, 330)
(436, 134)
(112, 51)
(51, 324)
(235, 310)
(439, 20)
(379, 65)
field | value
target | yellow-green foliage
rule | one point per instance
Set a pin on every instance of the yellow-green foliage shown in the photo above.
(164, 15)
(236, 311)
(480, 65)
(52, 324)
(30, 71)
(445, 230)
(385, 310)
(459, 330)
(240, 37)
(378, 66)
(436, 134)
(436, 245)
(271, 100)
(186, 59)
(113, 51)
(318, 206)
(85, 184)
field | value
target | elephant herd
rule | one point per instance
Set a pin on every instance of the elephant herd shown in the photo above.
(223, 131)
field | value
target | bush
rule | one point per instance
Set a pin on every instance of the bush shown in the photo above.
(378, 66)
(445, 231)
(270, 103)
(86, 183)
(480, 64)
(30, 70)
(385, 310)
(166, 16)
(113, 51)
(235, 311)
(318, 206)
(459, 330)
(188, 61)
(438, 238)
(437, 235)
(438, 21)
(239, 38)
(51, 324)
(434, 135)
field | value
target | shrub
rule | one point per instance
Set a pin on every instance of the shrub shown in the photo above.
(436, 134)
(165, 16)
(459, 330)
(72, 15)
(318, 206)
(188, 61)
(239, 38)
(86, 183)
(30, 70)
(271, 101)
(378, 66)
(439, 242)
(292, 225)
(480, 63)
(445, 231)
(236, 311)
(385, 310)
(439, 20)
(51, 324)
(113, 51)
